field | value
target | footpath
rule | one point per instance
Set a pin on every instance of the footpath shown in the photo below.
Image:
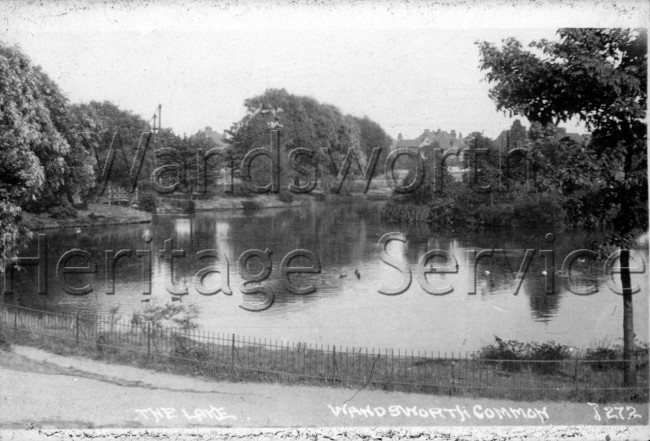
(42, 391)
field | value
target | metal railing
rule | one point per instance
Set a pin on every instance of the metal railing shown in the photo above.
(235, 357)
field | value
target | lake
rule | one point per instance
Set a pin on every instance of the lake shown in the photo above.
(347, 309)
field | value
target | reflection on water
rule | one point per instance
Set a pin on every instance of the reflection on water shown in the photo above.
(346, 308)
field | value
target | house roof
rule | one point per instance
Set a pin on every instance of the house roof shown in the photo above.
(444, 140)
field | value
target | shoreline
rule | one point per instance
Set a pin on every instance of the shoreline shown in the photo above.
(256, 202)
(96, 215)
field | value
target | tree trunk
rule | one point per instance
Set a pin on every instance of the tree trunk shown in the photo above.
(629, 376)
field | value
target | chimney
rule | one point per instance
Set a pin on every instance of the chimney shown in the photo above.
(208, 130)
(399, 136)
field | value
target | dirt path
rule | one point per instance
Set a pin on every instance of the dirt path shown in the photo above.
(42, 390)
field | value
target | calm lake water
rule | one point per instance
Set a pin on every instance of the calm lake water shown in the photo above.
(345, 309)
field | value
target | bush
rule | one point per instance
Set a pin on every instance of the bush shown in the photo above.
(606, 357)
(394, 212)
(440, 211)
(601, 357)
(544, 210)
(285, 196)
(549, 351)
(169, 314)
(4, 344)
(250, 205)
(185, 348)
(105, 344)
(513, 350)
(147, 202)
(62, 212)
(505, 350)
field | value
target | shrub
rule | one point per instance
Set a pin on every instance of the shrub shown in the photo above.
(285, 196)
(4, 344)
(147, 202)
(606, 357)
(504, 350)
(183, 347)
(551, 352)
(62, 212)
(513, 350)
(170, 314)
(250, 205)
(603, 358)
(440, 211)
(105, 344)
(394, 212)
(543, 210)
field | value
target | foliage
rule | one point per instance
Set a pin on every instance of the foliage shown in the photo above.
(4, 343)
(250, 205)
(147, 202)
(536, 353)
(184, 154)
(62, 212)
(605, 356)
(373, 136)
(170, 314)
(31, 147)
(305, 123)
(285, 196)
(109, 120)
(504, 350)
(48, 147)
(399, 212)
(598, 76)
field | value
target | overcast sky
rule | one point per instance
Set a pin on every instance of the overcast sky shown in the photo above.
(408, 66)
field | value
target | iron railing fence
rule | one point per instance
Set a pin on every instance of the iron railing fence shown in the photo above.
(236, 357)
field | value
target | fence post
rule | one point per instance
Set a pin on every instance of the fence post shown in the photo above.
(148, 338)
(15, 321)
(575, 375)
(334, 368)
(232, 353)
(76, 327)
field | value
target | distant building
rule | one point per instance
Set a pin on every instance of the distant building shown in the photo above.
(429, 140)
(215, 136)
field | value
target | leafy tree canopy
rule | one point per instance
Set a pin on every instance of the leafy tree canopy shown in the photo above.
(304, 123)
(598, 76)
(45, 157)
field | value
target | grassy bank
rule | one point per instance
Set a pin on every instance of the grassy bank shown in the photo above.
(228, 357)
(96, 214)
(286, 199)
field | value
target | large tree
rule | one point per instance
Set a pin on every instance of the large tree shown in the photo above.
(304, 123)
(109, 120)
(45, 145)
(373, 136)
(25, 129)
(599, 77)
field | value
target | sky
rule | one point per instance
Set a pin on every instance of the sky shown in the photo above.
(409, 66)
